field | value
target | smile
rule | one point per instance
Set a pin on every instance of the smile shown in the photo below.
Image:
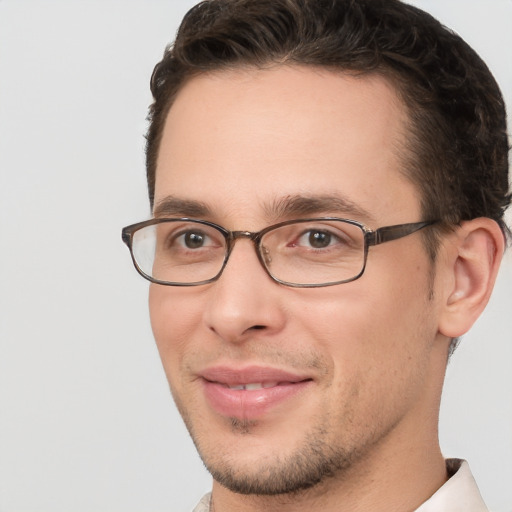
(251, 393)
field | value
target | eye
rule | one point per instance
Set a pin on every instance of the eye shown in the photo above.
(317, 239)
(193, 239)
(187, 236)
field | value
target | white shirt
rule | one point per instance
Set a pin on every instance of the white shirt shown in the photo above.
(459, 494)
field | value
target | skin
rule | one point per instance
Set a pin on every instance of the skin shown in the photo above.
(375, 349)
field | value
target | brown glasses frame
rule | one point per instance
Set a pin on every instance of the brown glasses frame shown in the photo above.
(371, 238)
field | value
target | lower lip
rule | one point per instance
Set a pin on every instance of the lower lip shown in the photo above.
(250, 404)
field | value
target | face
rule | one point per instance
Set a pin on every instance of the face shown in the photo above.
(284, 387)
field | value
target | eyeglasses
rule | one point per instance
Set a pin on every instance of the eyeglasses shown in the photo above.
(303, 253)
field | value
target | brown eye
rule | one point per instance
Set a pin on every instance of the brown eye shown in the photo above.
(319, 239)
(194, 240)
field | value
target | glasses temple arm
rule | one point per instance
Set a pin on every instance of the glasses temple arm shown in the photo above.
(389, 233)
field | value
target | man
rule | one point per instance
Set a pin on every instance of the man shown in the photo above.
(328, 182)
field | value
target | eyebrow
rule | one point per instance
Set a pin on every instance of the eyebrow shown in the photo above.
(287, 207)
(172, 206)
(331, 204)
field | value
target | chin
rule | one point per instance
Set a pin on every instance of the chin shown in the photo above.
(261, 469)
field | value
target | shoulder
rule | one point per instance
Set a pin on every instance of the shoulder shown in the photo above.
(204, 504)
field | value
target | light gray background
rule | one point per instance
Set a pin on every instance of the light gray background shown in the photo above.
(86, 420)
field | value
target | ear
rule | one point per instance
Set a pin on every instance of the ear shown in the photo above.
(472, 259)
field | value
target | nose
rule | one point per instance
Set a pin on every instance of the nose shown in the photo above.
(244, 300)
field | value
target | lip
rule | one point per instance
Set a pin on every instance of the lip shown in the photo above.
(250, 404)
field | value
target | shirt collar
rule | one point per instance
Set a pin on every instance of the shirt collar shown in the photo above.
(459, 494)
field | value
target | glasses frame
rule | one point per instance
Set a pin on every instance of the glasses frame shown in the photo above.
(371, 238)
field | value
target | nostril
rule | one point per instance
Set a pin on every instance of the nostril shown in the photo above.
(258, 327)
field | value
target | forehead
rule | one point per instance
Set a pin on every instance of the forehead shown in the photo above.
(236, 139)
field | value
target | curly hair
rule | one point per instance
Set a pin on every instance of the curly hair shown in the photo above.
(457, 148)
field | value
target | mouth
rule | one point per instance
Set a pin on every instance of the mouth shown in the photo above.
(251, 393)
(255, 385)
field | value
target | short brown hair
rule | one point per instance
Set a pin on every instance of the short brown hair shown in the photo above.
(457, 152)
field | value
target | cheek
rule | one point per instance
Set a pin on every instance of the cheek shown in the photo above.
(373, 328)
(173, 320)
(379, 349)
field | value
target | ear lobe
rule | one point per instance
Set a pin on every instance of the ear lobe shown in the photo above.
(474, 254)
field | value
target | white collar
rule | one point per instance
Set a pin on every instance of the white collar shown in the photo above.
(459, 494)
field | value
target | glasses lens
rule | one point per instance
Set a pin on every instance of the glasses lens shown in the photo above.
(181, 252)
(314, 252)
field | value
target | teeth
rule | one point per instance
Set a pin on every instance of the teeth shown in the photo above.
(254, 386)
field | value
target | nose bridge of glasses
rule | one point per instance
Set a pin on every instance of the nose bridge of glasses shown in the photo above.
(243, 234)
(254, 237)
(250, 235)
